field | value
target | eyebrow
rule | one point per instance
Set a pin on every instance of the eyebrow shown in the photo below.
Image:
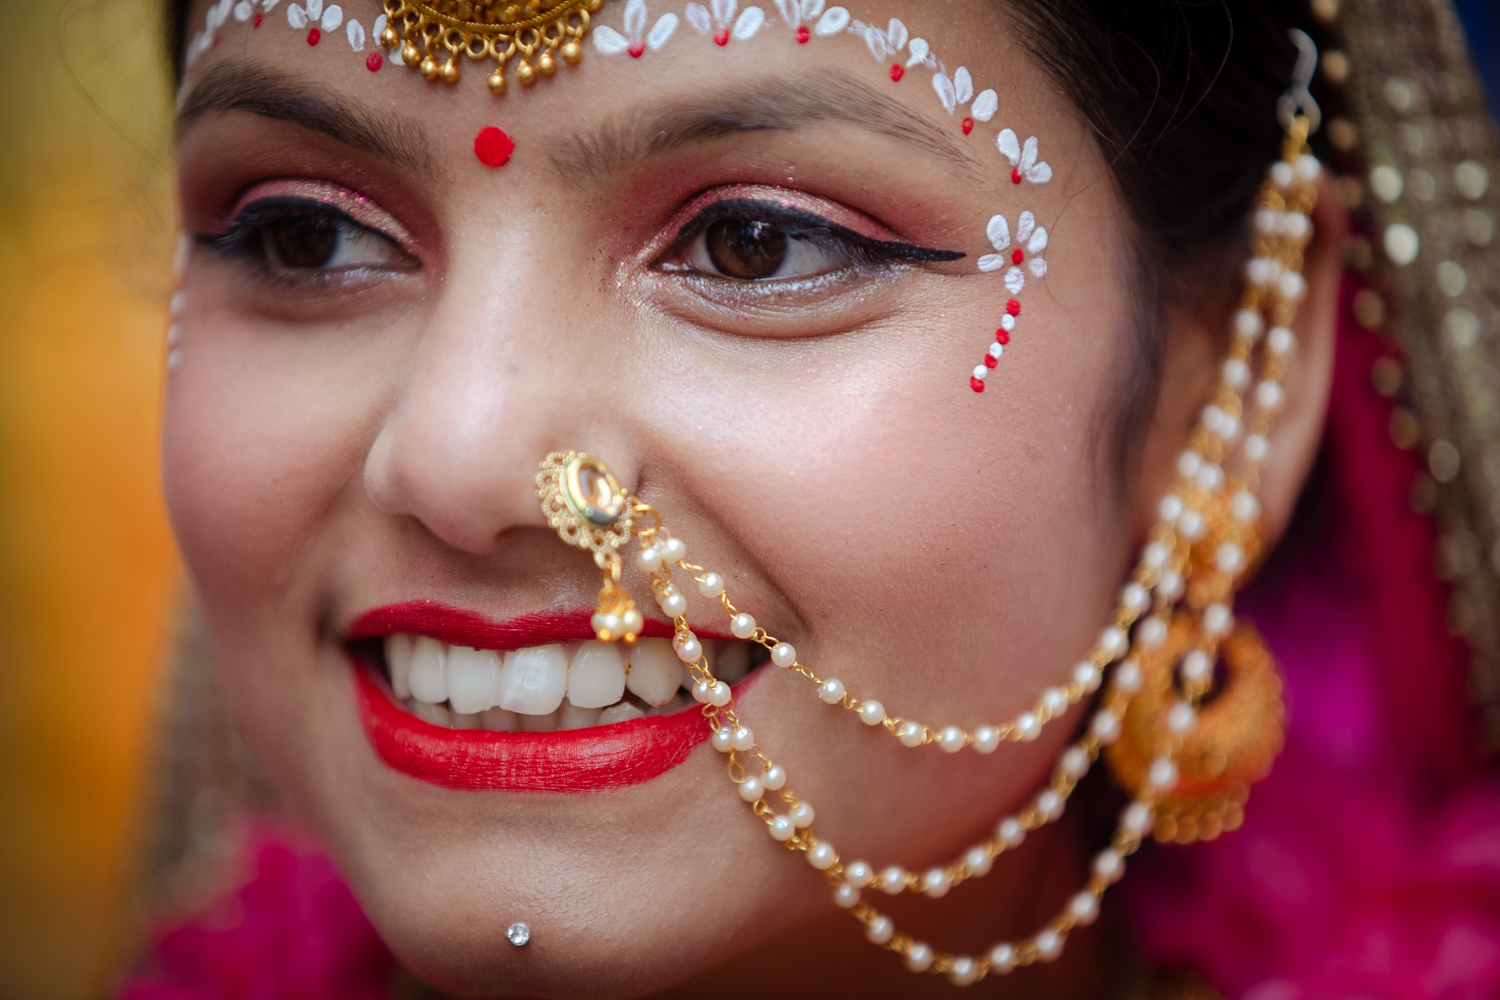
(242, 86)
(767, 104)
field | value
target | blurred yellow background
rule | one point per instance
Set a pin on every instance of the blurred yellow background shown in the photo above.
(87, 567)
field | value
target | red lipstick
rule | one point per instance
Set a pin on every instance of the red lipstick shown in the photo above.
(596, 759)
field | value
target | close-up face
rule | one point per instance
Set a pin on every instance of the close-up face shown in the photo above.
(848, 295)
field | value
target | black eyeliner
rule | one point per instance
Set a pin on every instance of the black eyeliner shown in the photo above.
(236, 233)
(804, 225)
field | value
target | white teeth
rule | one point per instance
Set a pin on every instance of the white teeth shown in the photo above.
(539, 723)
(533, 680)
(473, 679)
(570, 716)
(655, 671)
(623, 712)
(596, 677)
(398, 658)
(733, 662)
(427, 675)
(500, 721)
(438, 715)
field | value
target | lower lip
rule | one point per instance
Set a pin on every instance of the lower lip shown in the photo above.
(597, 759)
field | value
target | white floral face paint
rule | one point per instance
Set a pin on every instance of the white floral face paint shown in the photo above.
(314, 19)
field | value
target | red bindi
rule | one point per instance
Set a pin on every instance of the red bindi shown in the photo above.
(1017, 255)
(374, 63)
(637, 49)
(314, 36)
(968, 125)
(803, 34)
(897, 72)
(493, 147)
(721, 37)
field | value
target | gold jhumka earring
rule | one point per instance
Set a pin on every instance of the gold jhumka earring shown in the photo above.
(1184, 738)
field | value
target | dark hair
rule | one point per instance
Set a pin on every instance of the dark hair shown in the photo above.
(1181, 98)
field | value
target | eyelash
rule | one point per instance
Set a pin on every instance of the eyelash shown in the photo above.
(239, 236)
(856, 248)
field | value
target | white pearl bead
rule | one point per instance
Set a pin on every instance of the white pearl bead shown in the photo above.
(782, 829)
(1162, 774)
(978, 861)
(872, 713)
(802, 815)
(1291, 285)
(719, 695)
(986, 739)
(690, 650)
(1190, 524)
(910, 733)
(1112, 640)
(1268, 395)
(822, 856)
(1011, 832)
(1003, 957)
(1188, 463)
(859, 874)
(1181, 718)
(700, 692)
(1074, 762)
(1133, 597)
(893, 880)
(845, 896)
(1084, 908)
(936, 883)
(1256, 447)
(1230, 557)
(919, 957)
(1087, 676)
(634, 621)
(712, 585)
(751, 789)
(964, 972)
(1137, 819)
(951, 739)
(673, 550)
(649, 559)
(1307, 168)
(774, 778)
(1169, 584)
(1106, 726)
(1152, 632)
(1169, 509)
(742, 738)
(1128, 677)
(1049, 804)
(1195, 667)
(1154, 555)
(831, 691)
(784, 654)
(880, 930)
(1228, 428)
(1028, 726)
(1280, 340)
(1244, 506)
(722, 740)
(742, 626)
(1236, 373)
(1048, 944)
(1217, 620)
(1108, 865)
(1246, 323)
(1055, 701)
(1210, 476)
(673, 605)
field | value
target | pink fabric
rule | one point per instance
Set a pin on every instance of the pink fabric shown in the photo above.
(292, 932)
(1369, 862)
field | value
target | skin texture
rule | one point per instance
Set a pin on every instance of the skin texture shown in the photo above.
(334, 447)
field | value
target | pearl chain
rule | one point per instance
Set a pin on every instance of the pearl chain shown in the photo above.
(1167, 579)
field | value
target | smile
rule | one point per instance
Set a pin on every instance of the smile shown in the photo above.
(531, 704)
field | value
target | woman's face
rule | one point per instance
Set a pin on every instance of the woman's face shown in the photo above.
(746, 276)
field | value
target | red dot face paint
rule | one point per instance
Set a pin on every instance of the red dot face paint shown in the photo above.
(897, 72)
(374, 63)
(803, 34)
(976, 384)
(314, 36)
(968, 125)
(493, 147)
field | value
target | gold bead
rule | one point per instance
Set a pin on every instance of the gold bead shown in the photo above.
(546, 65)
(410, 55)
(571, 53)
(450, 71)
(429, 68)
(525, 74)
(389, 38)
(496, 81)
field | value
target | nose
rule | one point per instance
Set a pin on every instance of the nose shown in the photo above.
(486, 395)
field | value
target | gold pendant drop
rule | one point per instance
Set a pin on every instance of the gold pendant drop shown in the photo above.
(589, 509)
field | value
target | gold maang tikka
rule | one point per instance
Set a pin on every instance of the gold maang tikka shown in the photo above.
(587, 507)
(431, 36)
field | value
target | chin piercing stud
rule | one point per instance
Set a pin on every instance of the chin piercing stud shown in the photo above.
(518, 934)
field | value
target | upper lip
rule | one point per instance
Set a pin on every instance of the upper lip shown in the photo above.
(462, 627)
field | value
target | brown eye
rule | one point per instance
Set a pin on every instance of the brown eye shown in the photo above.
(749, 249)
(302, 241)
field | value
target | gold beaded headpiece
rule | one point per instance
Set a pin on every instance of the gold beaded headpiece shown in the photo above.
(432, 36)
